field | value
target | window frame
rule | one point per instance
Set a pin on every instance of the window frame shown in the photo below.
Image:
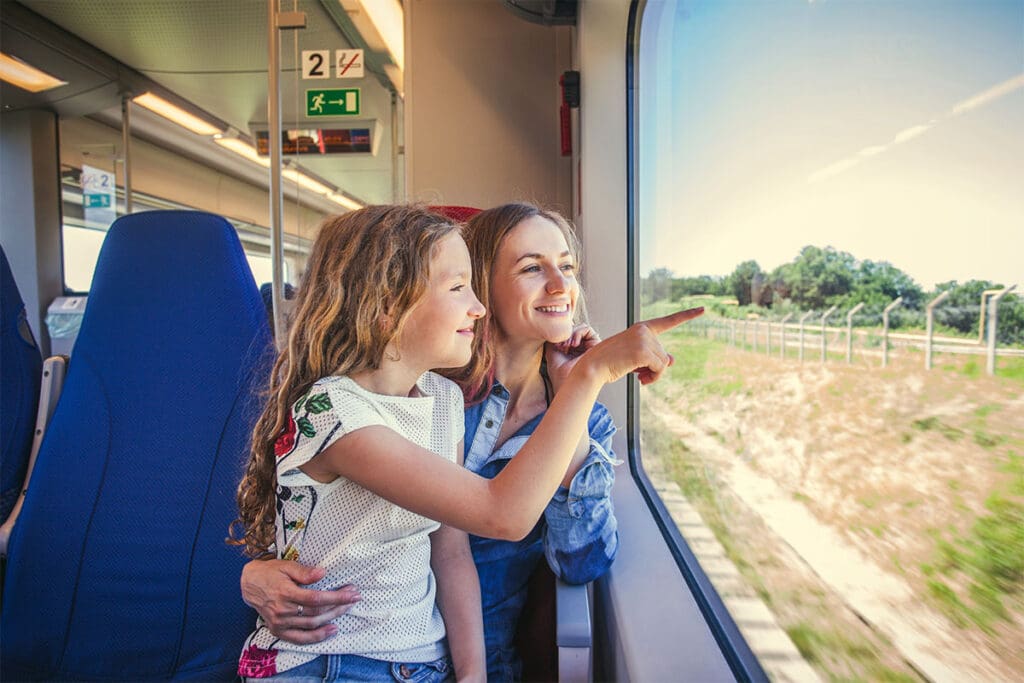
(741, 659)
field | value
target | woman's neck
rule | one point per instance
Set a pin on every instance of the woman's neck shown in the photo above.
(517, 367)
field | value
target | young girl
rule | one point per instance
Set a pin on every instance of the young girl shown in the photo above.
(366, 446)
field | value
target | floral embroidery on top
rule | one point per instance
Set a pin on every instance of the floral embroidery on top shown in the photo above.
(301, 500)
(285, 443)
(256, 662)
(314, 405)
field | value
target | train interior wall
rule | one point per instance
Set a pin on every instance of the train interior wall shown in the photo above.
(482, 120)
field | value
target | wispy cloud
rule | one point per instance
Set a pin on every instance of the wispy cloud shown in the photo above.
(872, 151)
(981, 99)
(990, 95)
(909, 134)
(831, 170)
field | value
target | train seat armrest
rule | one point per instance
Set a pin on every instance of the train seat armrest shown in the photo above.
(573, 632)
(54, 369)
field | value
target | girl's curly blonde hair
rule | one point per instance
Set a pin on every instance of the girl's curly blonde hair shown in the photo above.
(366, 271)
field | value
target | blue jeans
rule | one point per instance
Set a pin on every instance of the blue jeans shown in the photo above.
(355, 668)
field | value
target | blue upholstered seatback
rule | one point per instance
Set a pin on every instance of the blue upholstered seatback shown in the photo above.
(20, 365)
(118, 567)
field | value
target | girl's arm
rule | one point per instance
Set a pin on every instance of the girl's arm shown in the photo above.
(509, 505)
(458, 598)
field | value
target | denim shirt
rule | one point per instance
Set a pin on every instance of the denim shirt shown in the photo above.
(577, 533)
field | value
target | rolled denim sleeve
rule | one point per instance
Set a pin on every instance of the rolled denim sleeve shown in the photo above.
(581, 535)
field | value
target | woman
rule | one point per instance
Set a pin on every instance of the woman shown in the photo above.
(525, 263)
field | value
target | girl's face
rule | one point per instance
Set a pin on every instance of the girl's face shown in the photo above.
(438, 331)
(533, 284)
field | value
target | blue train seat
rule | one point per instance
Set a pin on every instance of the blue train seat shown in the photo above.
(21, 365)
(117, 568)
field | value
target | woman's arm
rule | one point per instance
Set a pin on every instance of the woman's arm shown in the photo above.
(581, 532)
(273, 588)
(458, 598)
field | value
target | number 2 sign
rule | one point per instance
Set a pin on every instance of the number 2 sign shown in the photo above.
(316, 64)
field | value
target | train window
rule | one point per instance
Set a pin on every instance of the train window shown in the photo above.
(841, 444)
(82, 235)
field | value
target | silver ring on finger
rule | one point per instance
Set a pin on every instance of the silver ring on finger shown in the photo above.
(299, 610)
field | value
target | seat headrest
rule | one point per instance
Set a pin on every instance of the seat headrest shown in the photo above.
(459, 214)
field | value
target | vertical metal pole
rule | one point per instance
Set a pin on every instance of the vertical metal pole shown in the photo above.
(768, 351)
(981, 314)
(126, 147)
(276, 200)
(885, 329)
(929, 324)
(993, 305)
(757, 330)
(824, 342)
(849, 331)
(803, 318)
(782, 341)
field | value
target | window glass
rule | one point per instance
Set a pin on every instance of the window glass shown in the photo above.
(83, 235)
(81, 250)
(841, 440)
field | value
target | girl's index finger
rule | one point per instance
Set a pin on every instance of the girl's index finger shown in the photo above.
(667, 322)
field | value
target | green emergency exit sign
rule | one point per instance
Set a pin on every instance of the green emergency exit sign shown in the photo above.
(93, 201)
(332, 102)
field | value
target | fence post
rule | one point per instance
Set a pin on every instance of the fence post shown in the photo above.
(802, 319)
(782, 345)
(757, 329)
(981, 314)
(768, 350)
(732, 332)
(824, 317)
(849, 331)
(928, 328)
(993, 305)
(885, 329)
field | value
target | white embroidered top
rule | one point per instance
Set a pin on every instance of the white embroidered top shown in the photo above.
(359, 537)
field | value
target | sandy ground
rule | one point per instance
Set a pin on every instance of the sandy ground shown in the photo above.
(859, 470)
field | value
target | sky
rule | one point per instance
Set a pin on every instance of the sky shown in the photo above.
(890, 130)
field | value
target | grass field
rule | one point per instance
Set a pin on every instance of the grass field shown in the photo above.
(921, 472)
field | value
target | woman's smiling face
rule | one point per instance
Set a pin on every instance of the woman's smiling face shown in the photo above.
(533, 284)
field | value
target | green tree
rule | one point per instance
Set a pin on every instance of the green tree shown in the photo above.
(961, 310)
(656, 286)
(702, 284)
(877, 284)
(741, 281)
(818, 277)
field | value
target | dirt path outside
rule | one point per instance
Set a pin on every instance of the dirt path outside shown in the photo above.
(875, 480)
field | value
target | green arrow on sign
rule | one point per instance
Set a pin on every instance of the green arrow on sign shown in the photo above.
(332, 102)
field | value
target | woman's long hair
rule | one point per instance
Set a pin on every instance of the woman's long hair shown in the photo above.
(484, 234)
(366, 271)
